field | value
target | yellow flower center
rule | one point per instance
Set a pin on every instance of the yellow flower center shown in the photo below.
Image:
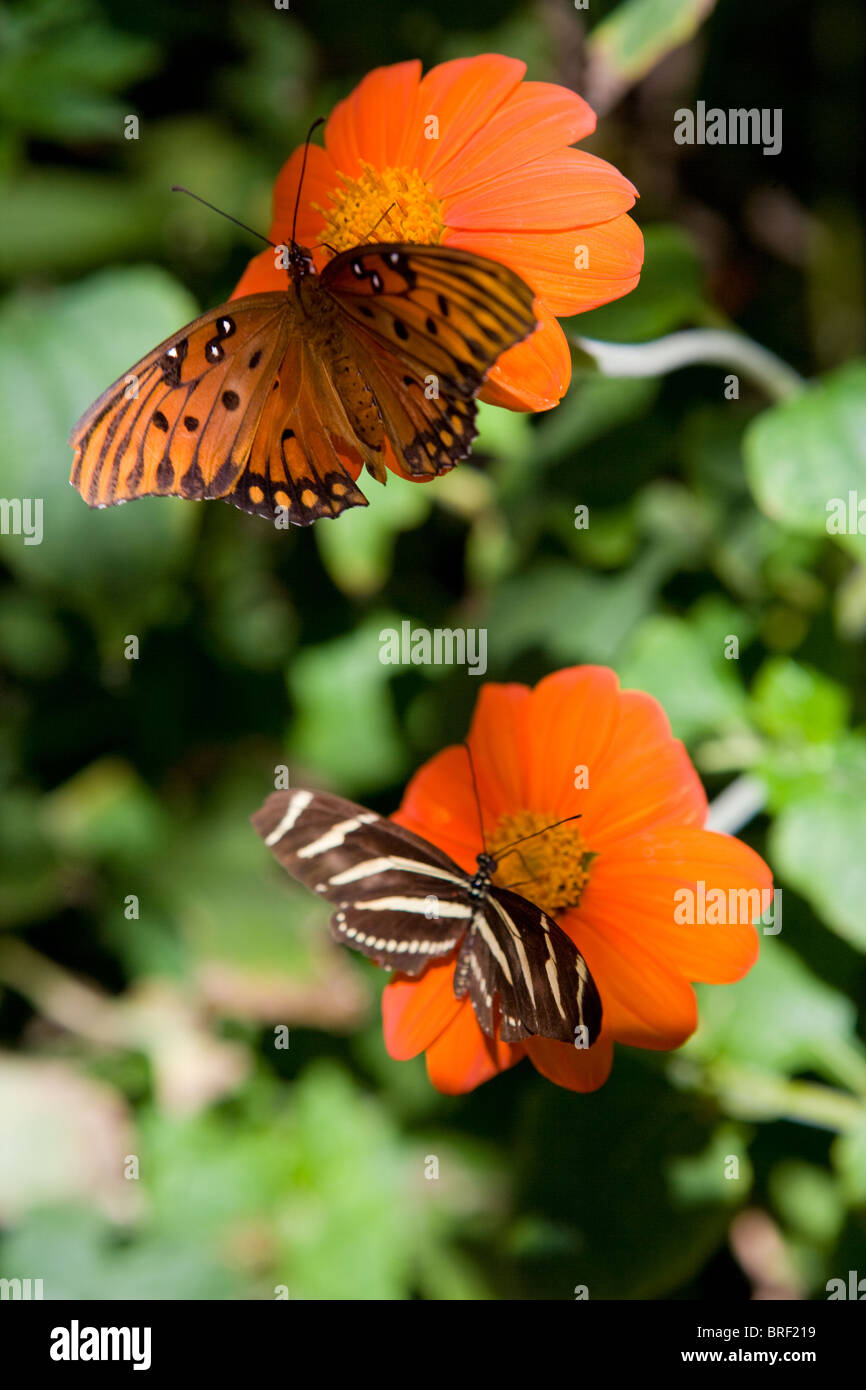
(551, 870)
(393, 204)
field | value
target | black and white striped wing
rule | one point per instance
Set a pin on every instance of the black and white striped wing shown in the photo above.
(399, 899)
(524, 975)
(404, 903)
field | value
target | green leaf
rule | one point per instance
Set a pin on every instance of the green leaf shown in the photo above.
(639, 33)
(808, 1199)
(103, 217)
(569, 614)
(358, 552)
(704, 1177)
(793, 771)
(56, 64)
(321, 1177)
(790, 700)
(806, 458)
(816, 845)
(104, 810)
(34, 884)
(700, 690)
(780, 1016)
(502, 433)
(112, 564)
(80, 1256)
(849, 1160)
(32, 642)
(345, 725)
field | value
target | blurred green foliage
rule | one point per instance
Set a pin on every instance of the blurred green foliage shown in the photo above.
(152, 956)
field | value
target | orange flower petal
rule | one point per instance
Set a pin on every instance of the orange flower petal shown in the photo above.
(563, 190)
(646, 1003)
(260, 277)
(439, 804)
(573, 718)
(462, 1057)
(643, 812)
(638, 774)
(647, 779)
(577, 1069)
(463, 95)
(499, 747)
(535, 120)
(535, 374)
(637, 881)
(415, 1012)
(613, 252)
(370, 124)
(262, 274)
(320, 177)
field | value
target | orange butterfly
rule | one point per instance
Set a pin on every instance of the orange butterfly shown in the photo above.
(275, 401)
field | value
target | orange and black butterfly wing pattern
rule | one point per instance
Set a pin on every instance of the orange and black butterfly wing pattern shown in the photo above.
(429, 323)
(182, 421)
(274, 402)
(429, 431)
(302, 461)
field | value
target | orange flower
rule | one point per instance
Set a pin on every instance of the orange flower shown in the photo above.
(619, 881)
(471, 156)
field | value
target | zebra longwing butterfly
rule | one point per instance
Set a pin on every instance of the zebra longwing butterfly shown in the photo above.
(403, 903)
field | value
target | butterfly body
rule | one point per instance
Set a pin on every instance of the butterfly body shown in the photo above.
(274, 402)
(405, 904)
(480, 882)
(300, 263)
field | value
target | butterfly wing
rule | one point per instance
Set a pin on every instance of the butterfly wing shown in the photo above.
(400, 901)
(182, 421)
(428, 434)
(303, 459)
(277, 400)
(403, 903)
(524, 975)
(428, 324)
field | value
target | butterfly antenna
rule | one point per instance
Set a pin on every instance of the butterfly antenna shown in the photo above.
(477, 797)
(178, 188)
(533, 833)
(317, 122)
(532, 877)
(381, 219)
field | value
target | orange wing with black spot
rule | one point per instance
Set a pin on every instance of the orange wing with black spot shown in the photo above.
(275, 402)
(304, 459)
(181, 422)
(429, 323)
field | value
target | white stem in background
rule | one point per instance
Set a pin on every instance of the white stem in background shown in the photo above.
(693, 347)
(739, 803)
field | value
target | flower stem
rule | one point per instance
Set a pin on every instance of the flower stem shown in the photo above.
(739, 803)
(749, 1094)
(692, 347)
